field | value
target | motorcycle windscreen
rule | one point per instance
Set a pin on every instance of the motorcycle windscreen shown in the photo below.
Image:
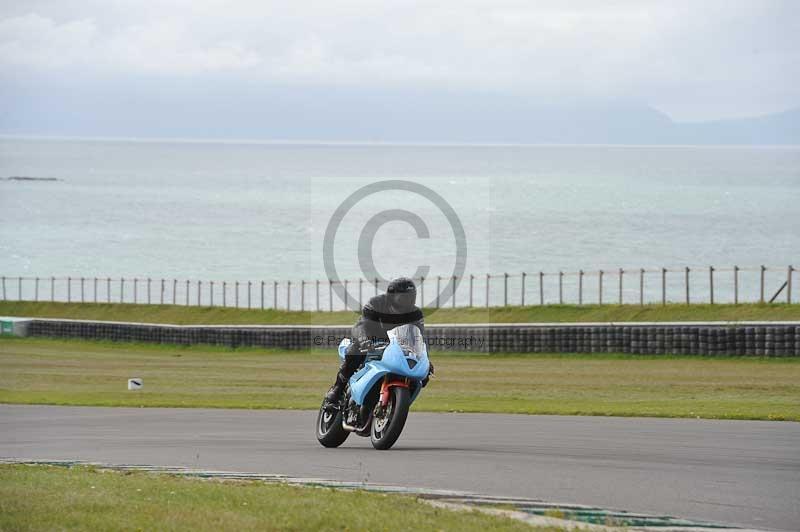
(409, 338)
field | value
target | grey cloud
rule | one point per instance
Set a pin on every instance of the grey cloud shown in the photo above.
(692, 60)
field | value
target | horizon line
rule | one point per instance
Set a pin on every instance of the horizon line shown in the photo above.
(345, 143)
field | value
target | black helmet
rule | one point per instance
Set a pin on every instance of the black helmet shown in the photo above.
(402, 294)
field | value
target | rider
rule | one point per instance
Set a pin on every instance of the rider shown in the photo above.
(383, 313)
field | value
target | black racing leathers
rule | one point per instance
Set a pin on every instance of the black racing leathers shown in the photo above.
(378, 317)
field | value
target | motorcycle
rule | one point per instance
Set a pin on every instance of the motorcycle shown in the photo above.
(378, 396)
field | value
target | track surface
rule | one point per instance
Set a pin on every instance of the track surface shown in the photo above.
(744, 473)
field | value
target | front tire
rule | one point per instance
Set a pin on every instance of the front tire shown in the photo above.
(387, 427)
(329, 427)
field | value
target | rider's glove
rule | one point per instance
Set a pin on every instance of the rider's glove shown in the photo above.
(364, 344)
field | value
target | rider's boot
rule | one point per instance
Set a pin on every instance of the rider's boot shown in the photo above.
(349, 365)
(334, 395)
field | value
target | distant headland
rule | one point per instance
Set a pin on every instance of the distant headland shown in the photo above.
(28, 178)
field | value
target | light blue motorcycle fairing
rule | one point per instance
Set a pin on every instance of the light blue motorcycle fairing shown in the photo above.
(393, 361)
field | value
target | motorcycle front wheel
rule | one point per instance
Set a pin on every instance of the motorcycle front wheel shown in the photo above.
(329, 427)
(387, 425)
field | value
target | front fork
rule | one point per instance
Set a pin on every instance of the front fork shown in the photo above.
(386, 387)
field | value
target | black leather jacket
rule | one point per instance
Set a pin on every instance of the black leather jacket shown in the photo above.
(378, 317)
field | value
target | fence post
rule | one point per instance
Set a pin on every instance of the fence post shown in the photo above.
(94, 290)
(711, 283)
(262, 296)
(174, 291)
(136, 291)
(663, 286)
(735, 285)
(522, 290)
(471, 281)
(199, 292)
(376, 286)
(121, 289)
(69, 289)
(275, 295)
(108, 289)
(687, 285)
(422, 291)
(621, 273)
(211, 293)
(438, 288)
(288, 295)
(236, 293)
(600, 287)
(453, 302)
(317, 294)
(249, 285)
(345, 294)
(763, 269)
(541, 288)
(82, 282)
(488, 278)
(161, 295)
(330, 295)
(224, 294)
(360, 293)
(19, 288)
(641, 286)
(52, 288)
(505, 289)
(4, 287)
(789, 285)
(560, 288)
(580, 287)
(36, 290)
(187, 292)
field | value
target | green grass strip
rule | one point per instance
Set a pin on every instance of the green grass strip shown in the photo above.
(78, 372)
(84, 498)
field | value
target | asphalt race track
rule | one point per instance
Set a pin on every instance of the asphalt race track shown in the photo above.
(744, 473)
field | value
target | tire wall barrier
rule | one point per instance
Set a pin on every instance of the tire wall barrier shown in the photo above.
(759, 339)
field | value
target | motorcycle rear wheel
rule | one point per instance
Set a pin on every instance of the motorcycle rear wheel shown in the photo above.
(387, 428)
(330, 432)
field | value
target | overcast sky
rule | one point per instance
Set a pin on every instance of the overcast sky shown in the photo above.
(694, 60)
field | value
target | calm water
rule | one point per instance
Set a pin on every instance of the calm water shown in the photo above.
(259, 211)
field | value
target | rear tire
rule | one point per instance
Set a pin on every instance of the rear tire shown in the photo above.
(329, 427)
(386, 429)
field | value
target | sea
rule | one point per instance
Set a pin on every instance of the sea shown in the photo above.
(278, 212)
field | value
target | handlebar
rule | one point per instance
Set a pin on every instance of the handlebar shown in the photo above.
(368, 346)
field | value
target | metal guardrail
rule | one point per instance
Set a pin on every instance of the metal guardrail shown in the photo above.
(662, 285)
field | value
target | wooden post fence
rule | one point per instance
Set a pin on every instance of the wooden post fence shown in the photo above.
(711, 283)
(600, 287)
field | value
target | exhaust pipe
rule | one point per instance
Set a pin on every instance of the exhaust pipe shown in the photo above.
(351, 428)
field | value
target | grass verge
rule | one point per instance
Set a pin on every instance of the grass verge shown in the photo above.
(182, 315)
(78, 372)
(83, 498)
